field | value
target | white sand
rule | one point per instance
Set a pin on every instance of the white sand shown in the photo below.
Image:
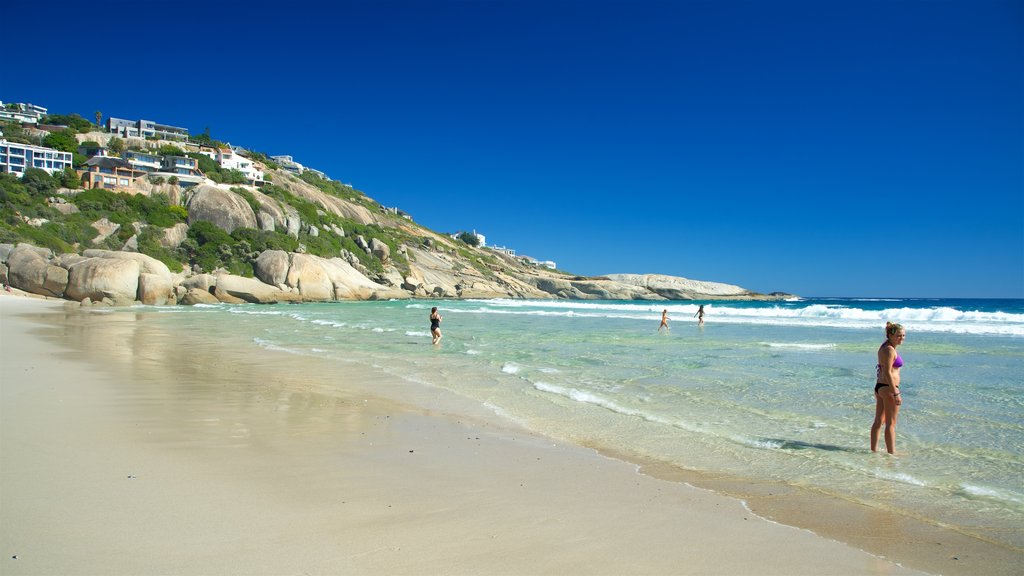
(133, 470)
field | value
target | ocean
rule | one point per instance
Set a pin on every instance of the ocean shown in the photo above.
(772, 392)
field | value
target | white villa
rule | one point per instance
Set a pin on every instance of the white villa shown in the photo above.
(16, 158)
(231, 160)
(24, 113)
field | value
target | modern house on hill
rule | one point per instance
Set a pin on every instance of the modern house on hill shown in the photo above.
(16, 158)
(145, 129)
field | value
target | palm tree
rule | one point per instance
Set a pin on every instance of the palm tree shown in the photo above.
(99, 118)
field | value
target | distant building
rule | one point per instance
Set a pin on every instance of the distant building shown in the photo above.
(287, 163)
(24, 113)
(16, 158)
(145, 129)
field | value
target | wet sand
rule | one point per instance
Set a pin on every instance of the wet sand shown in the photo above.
(126, 450)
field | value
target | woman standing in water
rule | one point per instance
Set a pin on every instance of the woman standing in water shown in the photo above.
(664, 320)
(887, 387)
(435, 325)
(700, 315)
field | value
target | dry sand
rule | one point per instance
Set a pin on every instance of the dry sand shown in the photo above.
(121, 454)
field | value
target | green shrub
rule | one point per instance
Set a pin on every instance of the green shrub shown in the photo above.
(149, 244)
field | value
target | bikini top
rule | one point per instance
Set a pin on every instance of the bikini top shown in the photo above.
(898, 362)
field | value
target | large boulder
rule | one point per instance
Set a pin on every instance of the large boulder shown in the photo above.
(250, 290)
(204, 282)
(147, 264)
(380, 250)
(174, 236)
(155, 290)
(99, 278)
(222, 208)
(349, 284)
(5, 251)
(307, 275)
(271, 267)
(196, 296)
(30, 270)
(266, 221)
(105, 228)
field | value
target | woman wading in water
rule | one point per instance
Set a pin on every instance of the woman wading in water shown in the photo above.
(435, 325)
(887, 387)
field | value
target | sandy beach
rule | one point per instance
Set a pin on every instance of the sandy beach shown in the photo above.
(125, 451)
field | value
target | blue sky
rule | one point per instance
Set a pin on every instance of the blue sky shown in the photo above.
(847, 148)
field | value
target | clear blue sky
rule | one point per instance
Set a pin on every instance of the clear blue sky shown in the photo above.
(824, 148)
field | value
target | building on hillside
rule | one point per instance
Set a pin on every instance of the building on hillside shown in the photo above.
(143, 161)
(145, 129)
(109, 173)
(180, 165)
(288, 164)
(92, 149)
(23, 113)
(504, 250)
(16, 158)
(229, 160)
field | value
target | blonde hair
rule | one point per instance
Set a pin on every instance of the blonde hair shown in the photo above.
(893, 328)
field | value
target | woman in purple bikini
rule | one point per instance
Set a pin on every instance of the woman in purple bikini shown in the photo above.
(887, 387)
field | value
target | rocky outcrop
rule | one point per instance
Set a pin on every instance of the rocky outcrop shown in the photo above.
(271, 267)
(147, 264)
(156, 290)
(29, 269)
(173, 237)
(676, 288)
(99, 278)
(222, 208)
(236, 289)
(195, 296)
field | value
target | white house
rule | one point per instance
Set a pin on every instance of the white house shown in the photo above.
(24, 113)
(16, 158)
(230, 160)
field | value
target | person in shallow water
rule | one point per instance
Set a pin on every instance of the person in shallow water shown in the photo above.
(435, 325)
(700, 315)
(887, 387)
(664, 320)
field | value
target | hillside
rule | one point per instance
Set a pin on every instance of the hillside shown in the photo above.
(295, 238)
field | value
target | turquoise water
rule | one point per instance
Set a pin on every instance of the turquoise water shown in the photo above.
(777, 392)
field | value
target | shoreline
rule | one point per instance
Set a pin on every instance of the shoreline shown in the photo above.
(249, 430)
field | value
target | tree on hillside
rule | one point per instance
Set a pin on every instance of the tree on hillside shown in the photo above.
(99, 118)
(170, 150)
(73, 121)
(39, 182)
(116, 145)
(64, 140)
(471, 239)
